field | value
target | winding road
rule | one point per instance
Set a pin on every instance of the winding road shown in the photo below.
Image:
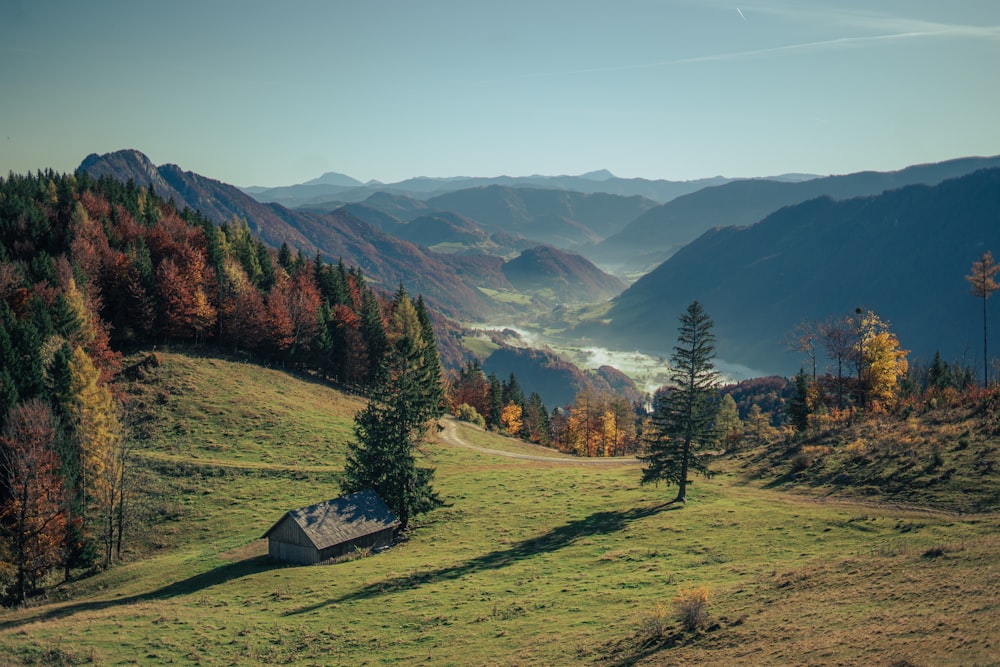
(449, 435)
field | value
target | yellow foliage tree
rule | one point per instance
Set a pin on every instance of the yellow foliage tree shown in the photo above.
(510, 418)
(98, 435)
(881, 360)
(885, 363)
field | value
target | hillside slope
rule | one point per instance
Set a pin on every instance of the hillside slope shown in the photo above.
(660, 232)
(562, 276)
(529, 562)
(904, 254)
(386, 260)
(555, 217)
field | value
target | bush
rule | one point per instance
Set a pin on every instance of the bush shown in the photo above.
(467, 413)
(691, 606)
(654, 624)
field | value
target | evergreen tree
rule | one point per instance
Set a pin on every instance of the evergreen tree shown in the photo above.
(390, 427)
(683, 421)
(512, 392)
(285, 257)
(372, 333)
(494, 402)
(431, 358)
(937, 374)
(267, 273)
(798, 406)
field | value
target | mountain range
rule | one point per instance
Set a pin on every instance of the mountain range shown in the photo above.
(626, 235)
(660, 232)
(762, 255)
(453, 282)
(340, 189)
(903, 253)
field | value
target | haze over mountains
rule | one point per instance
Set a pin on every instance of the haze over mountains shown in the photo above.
(762, 254)
(339, 188)
(904, 253)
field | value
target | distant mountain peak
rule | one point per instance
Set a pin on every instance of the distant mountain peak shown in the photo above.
(599, 175)
(334, 178)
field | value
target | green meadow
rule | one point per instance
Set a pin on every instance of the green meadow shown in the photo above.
(531, 562)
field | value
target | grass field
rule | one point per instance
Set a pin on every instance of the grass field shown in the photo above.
(530, 562)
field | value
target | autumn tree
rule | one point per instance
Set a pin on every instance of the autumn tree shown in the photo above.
(510, 418)
(683, 420)
(33, 511)
(758, 426)
(242, 312)
(885, 364)
(536, 419)
(185, 309)
(982, 283)
(97, 432)
(469, 386)
(599, 423)
(878, 358)
(838, 341)
(728, 421)
(806, 338)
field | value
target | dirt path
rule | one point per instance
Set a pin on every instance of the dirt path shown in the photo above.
(450, 436)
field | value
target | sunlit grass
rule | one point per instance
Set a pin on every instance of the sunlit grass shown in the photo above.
(528, 563)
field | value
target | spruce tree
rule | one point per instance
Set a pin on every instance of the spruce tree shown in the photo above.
(405, 398)
(798, 406)
(683, 421)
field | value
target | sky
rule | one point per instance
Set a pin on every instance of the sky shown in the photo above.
(257, 92)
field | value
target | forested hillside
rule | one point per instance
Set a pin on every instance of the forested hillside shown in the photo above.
(386, 260)
(89, 268)
(903, 254)
(660, 232)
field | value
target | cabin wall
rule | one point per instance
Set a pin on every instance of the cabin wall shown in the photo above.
(290, 532)
(383, 538)
(287, 542)
(291, 553)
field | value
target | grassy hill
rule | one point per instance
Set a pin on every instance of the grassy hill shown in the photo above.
(531, 562)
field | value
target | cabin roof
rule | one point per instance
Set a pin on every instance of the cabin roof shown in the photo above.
(341, 519)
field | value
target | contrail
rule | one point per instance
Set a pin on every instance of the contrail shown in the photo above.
(741, 14)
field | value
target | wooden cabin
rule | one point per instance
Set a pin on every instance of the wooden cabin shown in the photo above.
(325, 531)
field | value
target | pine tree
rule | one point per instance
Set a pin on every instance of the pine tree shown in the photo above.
(402, 403)
(431, 358)
(494, 403)
(798, 406)
(683, 421)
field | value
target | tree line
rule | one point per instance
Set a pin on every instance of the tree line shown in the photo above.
(91, 267)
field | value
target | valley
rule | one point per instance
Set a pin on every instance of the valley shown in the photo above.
(529, 561)
(850, 520)
(762, 255)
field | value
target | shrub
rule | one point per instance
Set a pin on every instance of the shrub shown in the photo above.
(691, 606)
(467, 413)
(655, 623)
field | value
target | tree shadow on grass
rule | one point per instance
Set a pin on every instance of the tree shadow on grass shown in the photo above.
(598, 523)
(198, 582)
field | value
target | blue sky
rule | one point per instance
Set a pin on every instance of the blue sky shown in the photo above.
(268, 93)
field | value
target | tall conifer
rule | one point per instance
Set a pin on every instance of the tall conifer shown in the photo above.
(684, 414)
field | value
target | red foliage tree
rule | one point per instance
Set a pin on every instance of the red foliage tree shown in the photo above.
(33, 511)
(185, 309)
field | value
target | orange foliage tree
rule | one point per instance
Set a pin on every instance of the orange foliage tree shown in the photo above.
(33, 511)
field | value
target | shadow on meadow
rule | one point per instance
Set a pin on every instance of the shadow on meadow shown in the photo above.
(198, 582)
(598, 523)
